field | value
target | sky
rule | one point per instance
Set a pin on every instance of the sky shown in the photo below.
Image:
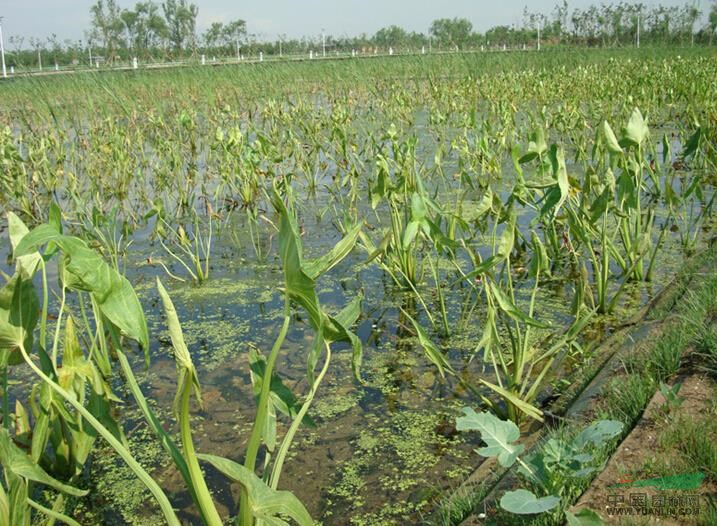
(269, 19)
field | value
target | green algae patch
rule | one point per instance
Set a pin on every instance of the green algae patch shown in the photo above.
(239, 290)
(396, 467)
(335, 400)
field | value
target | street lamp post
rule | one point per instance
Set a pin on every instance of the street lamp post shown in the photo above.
(2, 51)
(323, 41)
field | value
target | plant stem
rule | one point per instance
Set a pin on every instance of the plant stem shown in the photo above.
(203, 496)
(5, 399)
(286, 443)
(123, 452)
(260, 420)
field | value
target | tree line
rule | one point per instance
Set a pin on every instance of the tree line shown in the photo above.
(158, 31)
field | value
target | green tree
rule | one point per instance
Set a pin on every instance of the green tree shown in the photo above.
(224, 37)
(181, 19)
(213, 35)
(146, 29)
(234, 31)
(451, 32)
(692, 14)
(712, 20)
(393, 36)
(107, 25)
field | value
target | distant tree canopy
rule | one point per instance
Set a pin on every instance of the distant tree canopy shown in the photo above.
(147, 26)
(451, 32)
(225, 36)
(168, 29)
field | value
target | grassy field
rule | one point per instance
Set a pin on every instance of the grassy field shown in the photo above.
(421, 255)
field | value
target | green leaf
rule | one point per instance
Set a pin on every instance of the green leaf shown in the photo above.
(539, 263)
(484, 206)
(507, 239)
(356, 346)
(496, 433)
(537, 146)
(418, 208)
(482, 268)
(508, 307)
(524, 502)
(18, 492)
(378, 191)
(281, 396)
(585, 517)
(266, 503)
(54, 217)
(18, 316)
(598, 433)
(436, 357)
(600, 205)
(410, 233)
(17, 230)
(636, 131)
(350, 313)
(610, 139)
(100, 408)
(16, 461)
(301, 288)
(39, 236)
(4, 507)
(560, 172)
(75, 368)
(316, 267)
(56, 515)
(693, 144)
(524, 406)
(86, 270)
(123, 309)
(181, 353)
(185, 366)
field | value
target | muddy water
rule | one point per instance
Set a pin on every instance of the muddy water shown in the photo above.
(378, 452)
(382, 449)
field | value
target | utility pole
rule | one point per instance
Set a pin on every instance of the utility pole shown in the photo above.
(638, 30)
(323, 41)
(2, 51)
(89, 46)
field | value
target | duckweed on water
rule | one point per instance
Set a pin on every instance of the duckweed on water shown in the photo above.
(410, 444)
